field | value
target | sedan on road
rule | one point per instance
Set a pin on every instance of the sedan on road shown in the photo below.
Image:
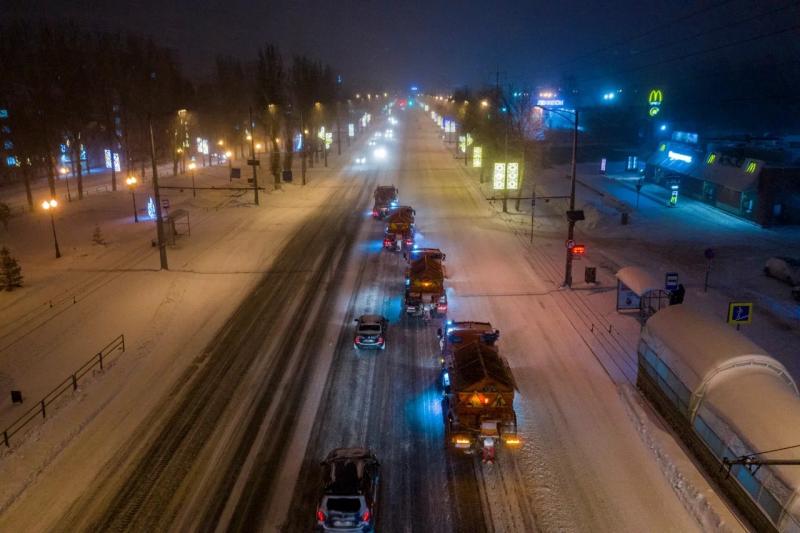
(350, 479)
(786, 269)
(370, 332)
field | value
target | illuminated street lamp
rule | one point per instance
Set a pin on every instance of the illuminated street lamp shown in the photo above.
(132, 183)
(484, 103)
(192, 167)
(228, 156)
(220, 143)
(259, 146)
(64, 171)
(50, 205)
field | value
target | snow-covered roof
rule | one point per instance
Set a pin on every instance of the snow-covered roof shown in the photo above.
(639, 280)
(701, 351)
(730, 176)
(765, 413)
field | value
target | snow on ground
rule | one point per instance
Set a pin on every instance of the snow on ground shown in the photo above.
(70, 307)
(663, 239)
(584, 465)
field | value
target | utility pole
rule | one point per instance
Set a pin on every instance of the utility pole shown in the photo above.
(505, 172)
(571, 220)
(162, 247)
(338, 131)
(253, 160)
(302, 150)
(533, 208)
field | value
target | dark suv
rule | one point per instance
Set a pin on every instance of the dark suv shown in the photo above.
(370, 332)
(350, 479)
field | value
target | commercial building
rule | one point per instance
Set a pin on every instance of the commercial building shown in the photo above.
(746, 179)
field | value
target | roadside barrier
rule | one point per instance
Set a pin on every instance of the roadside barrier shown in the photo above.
(98, 359)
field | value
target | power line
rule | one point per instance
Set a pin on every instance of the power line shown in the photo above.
(697, 53)
(645, 33)
(683, 40)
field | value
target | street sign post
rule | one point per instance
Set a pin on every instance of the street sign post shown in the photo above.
(709, 255)
(671, 281)
(740, 313)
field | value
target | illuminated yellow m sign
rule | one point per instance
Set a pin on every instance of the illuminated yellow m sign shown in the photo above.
(655, 97)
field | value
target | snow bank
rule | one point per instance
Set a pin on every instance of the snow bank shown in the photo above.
(692, 499)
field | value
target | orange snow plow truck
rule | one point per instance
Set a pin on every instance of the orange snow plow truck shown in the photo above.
(399, 232)
(478, 403)
(425, 287)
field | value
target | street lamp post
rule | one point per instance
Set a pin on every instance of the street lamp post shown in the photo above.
(192, 167)
(50, 206)
(132, 182)
(64, 171)
(570, 219)
(253, 161)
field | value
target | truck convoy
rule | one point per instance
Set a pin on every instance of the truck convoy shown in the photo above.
(385, 199)
(425, 285)
(399, 231)
(478, 403)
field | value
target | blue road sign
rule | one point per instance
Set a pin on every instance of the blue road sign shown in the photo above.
(740, 312)
(671, 281)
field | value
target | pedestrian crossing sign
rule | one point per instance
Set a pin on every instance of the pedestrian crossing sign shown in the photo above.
(740, 313)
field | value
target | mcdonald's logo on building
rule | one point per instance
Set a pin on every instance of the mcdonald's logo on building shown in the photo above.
(654, 99)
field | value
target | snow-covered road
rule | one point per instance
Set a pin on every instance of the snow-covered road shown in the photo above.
(235, 444)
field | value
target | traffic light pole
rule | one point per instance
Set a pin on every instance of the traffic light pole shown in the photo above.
(571, 220)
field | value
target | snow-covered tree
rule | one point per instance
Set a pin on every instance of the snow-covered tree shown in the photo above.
(5, 214)
(10, 271)
(97, 236)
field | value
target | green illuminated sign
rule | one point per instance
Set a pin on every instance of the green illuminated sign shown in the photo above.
(477, 157)
(751, 167)
(654, 99)
(711, 158)
(498, 177)
(506, 176)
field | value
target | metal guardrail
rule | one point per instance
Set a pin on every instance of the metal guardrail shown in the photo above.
(117, 345)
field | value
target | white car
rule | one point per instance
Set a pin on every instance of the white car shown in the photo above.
(786, 269)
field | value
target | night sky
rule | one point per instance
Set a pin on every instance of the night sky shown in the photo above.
(439, 45)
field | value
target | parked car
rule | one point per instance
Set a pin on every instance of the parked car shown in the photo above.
(350, 479)
(370, 332)
(786, 269)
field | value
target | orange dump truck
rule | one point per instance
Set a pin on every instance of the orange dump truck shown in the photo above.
(425, 287)
(478, 403)
(399, 232)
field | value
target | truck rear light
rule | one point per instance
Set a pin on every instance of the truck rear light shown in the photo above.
(320, 516)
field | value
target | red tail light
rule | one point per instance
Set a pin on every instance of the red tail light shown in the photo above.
(320, 516)
(359, 338)
(380, 340)
(365, 516)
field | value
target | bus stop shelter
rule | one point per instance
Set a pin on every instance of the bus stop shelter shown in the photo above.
(639, 290)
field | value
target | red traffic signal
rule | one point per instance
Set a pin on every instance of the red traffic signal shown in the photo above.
(579, 249)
